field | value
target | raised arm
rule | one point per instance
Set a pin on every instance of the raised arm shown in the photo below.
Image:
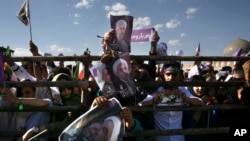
(40, 70)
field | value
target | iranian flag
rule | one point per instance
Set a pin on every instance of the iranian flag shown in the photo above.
(11, 75)
(23, 13)
(79, 71)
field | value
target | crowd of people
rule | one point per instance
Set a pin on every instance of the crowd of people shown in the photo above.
(35, 122)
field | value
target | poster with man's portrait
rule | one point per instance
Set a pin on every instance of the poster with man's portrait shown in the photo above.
(101, 75)
(97, 124)
(123, 26)
(120, 71)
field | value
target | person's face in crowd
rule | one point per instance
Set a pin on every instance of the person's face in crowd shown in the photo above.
(99, 131)
(208, 73)
(28, 92)
(105, 75)
(66, 92)
(122, 71)
(171, 75)
(199, 90)
(120, 31)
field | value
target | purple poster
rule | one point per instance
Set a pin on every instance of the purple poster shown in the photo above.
(142, 35)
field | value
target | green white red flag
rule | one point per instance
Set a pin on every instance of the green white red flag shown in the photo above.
(23, 13)
(11, 75)
(79, 71)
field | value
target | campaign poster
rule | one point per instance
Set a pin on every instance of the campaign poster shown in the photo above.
(97, 124)
(101, 75)
(120, 69)
(142, 35)
(123, 26)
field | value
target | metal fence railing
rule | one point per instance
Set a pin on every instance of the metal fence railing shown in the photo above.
(217, 130)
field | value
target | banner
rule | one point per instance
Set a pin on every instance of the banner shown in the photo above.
(142, 35)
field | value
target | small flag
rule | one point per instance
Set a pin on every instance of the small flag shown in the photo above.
(23, 13)
(8, 51)
(7, 69)
(11, 75)
(79, 71)
(75, 76)
(238, 52)
(198, 49)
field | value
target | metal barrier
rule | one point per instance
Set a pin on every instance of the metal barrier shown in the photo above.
(190, 131)
(217, 130)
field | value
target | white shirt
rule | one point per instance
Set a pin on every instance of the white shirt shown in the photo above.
(168, 119)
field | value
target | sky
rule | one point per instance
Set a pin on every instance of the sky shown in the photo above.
(72, 26)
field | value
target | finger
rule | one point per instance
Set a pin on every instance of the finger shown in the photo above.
(103, 102)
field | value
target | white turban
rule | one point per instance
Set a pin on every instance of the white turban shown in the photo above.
(119, 22)
(114, 133)
(117, 63)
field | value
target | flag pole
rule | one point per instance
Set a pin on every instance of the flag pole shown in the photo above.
(30, 29)
(28, 7)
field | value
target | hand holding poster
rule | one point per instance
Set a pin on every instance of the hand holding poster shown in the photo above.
(97, 124)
